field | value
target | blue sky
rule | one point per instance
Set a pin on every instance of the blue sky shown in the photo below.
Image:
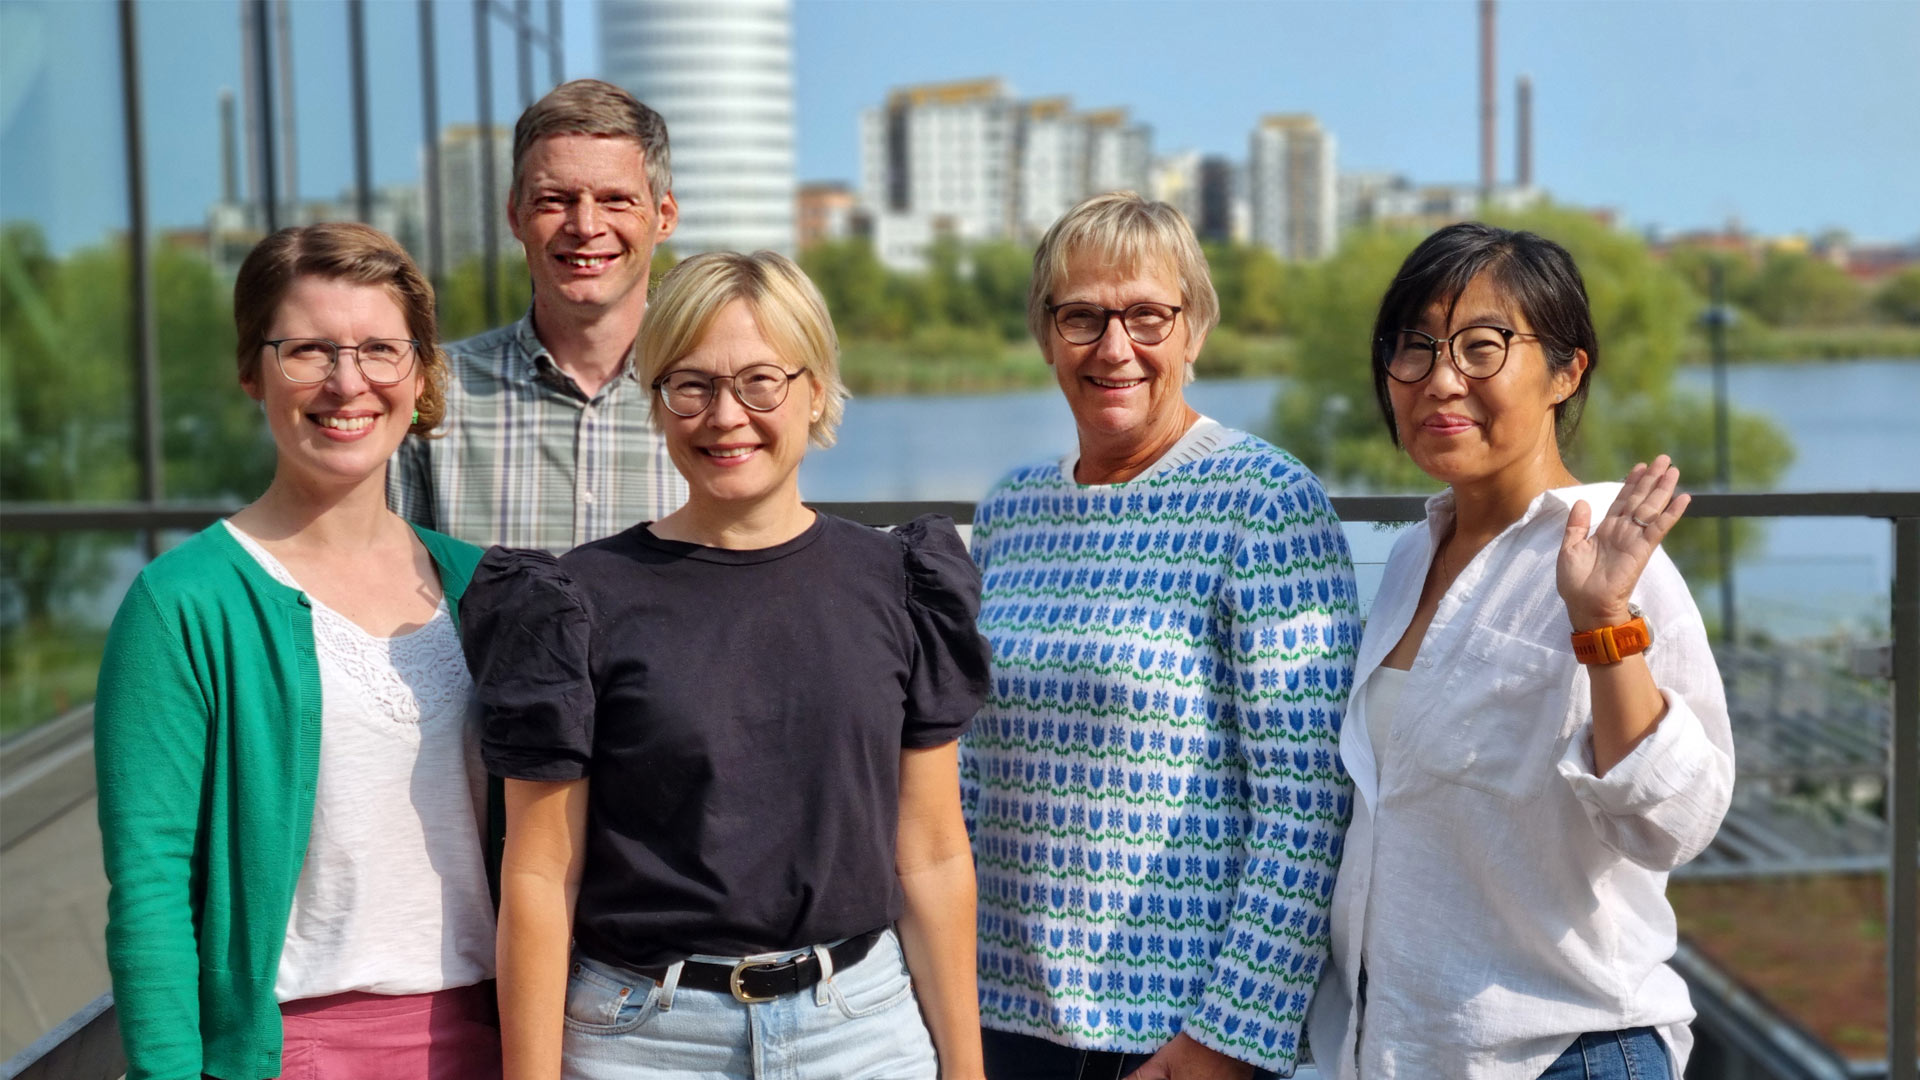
(1792, 116)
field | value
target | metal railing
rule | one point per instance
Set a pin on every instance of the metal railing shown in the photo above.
(87, 1045)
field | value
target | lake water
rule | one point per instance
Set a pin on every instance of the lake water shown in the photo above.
(1855, 426)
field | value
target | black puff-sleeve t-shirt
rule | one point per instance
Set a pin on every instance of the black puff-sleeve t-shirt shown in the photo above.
(739, 715)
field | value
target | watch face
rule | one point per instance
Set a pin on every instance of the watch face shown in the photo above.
(1633, 609)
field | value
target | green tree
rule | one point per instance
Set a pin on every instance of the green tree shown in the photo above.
(1899, 298)
(857, 289)
(463, 296)
(1695, 266)
(1642, 312)
(1001, 272)
(1257, 290)
(1792, 288)
(67, 426)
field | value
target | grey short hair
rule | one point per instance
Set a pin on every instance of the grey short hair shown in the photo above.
(1127, 232)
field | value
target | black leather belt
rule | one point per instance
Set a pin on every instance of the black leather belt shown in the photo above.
(750, 981)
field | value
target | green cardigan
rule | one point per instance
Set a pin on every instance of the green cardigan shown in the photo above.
(207, 748)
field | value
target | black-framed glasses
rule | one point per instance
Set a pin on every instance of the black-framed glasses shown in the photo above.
(1084, 324)
(382, 361)
(1478, 352)
(760, 387)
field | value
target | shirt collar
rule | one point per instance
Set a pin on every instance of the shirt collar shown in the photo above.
(537, 360)
(1598, 497)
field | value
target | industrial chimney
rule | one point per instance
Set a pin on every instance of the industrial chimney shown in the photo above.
(1487, 135)
(229, 150)
(1523, 134)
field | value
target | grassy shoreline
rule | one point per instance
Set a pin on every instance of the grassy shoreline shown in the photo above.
(1762, 345)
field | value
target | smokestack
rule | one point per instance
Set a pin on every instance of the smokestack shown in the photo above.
(1523, 122)
(1487, 134)
(289, 144)
(250, 93)
(229, 149)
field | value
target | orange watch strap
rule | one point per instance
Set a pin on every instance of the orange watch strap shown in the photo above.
(1609, 644)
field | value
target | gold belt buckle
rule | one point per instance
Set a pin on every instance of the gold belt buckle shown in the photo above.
(733, 982)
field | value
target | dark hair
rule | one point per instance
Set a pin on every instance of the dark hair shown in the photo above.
(339, 251)
(1535, 274)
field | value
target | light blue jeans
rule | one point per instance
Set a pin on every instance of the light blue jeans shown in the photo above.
(1633, 1054)
(860, 1024)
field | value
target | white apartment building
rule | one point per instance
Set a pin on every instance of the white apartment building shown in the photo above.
(939, 160)
(1290, 187)
(1119, 153)
(1053, 164)
(1175, 179)
(721, 73)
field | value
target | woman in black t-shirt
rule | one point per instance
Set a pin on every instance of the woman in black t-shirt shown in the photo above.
(728, 741)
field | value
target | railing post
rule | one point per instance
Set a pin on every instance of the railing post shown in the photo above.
(1903, 806)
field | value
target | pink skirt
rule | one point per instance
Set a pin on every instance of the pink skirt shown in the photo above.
(446, 1035)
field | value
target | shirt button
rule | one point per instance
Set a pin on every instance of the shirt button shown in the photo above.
(586, 497)
(1424, 662)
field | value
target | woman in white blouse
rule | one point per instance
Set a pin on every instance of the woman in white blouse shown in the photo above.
(1537, 732)
(292, 805)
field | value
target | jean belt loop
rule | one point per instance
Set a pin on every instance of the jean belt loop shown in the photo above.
(825, 960)
(670, 983)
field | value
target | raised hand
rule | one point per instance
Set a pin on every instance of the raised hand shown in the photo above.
(1596, 573)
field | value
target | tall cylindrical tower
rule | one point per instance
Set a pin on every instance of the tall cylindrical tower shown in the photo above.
(721, 72)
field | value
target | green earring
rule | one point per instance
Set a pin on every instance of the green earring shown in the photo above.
(416, 416)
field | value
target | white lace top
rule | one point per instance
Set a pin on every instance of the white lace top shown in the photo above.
(393, 895)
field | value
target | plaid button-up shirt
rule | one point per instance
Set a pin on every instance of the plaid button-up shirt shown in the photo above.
(526, 459)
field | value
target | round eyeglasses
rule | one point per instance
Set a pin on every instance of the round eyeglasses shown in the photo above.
(760, 387)
(1084, 324)
(382, 361)
(1478, 352)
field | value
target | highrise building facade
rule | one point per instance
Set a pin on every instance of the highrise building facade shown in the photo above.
(1053, 163)
(937, 161)
(464, 196)
(1222, 200)
(721, 73)
(1290, 182)
(1175, 180)
(1119, 153)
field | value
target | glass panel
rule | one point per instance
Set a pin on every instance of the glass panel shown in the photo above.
(52, 890)
(395, 119)
(466, 206)
(204, 182)
(1789, 900)
(67, 402)
(318, 71)
(512, 289)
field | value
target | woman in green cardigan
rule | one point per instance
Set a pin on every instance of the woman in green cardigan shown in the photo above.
(291, 801)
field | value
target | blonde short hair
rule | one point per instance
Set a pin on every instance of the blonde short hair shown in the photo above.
(358, 255)
(1127, 233)
(788, 309)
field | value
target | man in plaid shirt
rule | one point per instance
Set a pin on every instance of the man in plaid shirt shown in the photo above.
(547, 442)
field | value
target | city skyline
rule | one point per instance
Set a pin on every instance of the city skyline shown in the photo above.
(1783, 116)
(1760, 135)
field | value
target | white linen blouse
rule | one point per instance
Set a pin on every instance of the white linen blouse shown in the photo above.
(1501, 897)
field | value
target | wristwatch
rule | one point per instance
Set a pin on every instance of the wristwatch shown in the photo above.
(1608, 644)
